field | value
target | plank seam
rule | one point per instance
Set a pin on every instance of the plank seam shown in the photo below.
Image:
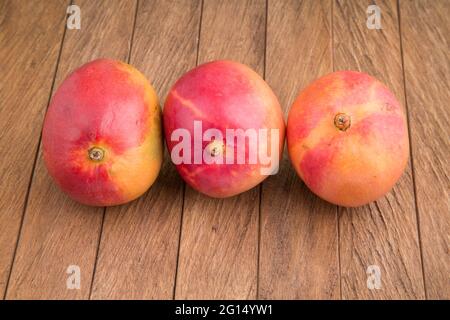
(97, 253)
(36, 155)
(105, 208)
(413, 175)
(179, 243)
(258, 258)
(133, 31)
(338, 229)
(184, 183)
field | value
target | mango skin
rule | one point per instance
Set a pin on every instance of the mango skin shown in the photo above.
(358, 165)
(109, 105)
(222, 94)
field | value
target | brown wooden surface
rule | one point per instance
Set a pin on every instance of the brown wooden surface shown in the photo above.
(58, 232)
(425, 30)
(30, 37)
(219, 237)
(383, 233)
(275, 241)
(299, 240)
(139, 245)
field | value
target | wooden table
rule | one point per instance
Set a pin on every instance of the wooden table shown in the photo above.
(275, 241)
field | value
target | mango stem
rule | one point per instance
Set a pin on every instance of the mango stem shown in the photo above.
(96, 154)
(342, 121)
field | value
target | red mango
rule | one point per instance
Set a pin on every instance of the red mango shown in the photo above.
(347, 138)
(102, 140)
(224, 128)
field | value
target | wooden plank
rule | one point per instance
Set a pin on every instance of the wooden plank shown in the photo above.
(219, 238)
(139, 245)
(30, 37)
(383, 233)
(425, 34)
(58, 232)
(299, 243)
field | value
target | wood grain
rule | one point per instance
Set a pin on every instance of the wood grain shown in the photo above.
(139, 245)
(425, 37)
(383, 233)
(300, 246)
(219, 238)
(58, 232)
(30, 37)
(299, 243)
